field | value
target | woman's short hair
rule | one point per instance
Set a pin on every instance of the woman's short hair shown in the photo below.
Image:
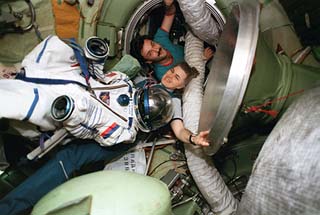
(190, 71)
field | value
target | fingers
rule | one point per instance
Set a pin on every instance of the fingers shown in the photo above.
(202, 138)
(7, 72)
(204, 143)
(204, 134)
(208, 53)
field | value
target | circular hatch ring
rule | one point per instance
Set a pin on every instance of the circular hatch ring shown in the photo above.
(147, 7)
(229, 73)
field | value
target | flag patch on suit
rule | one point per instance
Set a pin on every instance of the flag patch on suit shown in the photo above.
(105, 97)
(111, 74)
(109, 131)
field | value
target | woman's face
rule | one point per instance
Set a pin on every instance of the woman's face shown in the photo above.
(174, 78)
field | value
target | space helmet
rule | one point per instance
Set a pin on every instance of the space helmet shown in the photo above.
(153, 108)
(96, 49)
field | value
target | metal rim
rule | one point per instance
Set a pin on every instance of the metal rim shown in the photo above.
(228, 80)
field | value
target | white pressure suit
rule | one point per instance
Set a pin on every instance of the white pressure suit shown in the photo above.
(51, 70)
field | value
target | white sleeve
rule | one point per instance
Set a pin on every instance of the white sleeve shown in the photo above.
(177, 108)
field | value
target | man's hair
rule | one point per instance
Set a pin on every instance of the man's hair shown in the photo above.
(190, 71)
(136, 46)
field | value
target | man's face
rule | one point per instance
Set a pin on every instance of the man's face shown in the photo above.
(174, 78)
(153, 52)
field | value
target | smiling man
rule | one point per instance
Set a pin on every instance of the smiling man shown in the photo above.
(160, 51)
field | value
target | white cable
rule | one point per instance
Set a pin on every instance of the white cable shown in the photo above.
(201, 166)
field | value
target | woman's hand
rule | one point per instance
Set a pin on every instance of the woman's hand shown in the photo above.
(201, 139)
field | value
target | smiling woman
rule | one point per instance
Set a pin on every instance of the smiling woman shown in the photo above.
(179, 76)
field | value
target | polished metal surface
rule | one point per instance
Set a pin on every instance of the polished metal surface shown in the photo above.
(153, 108)
(229, 73)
